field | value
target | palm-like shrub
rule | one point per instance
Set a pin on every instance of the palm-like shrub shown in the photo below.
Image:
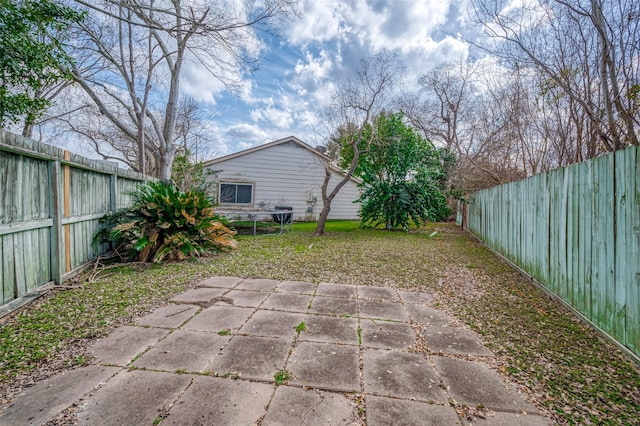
(164, 223)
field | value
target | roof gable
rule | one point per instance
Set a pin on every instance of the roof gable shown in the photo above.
(293, 139)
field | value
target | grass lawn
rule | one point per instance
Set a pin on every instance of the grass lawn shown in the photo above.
(574, 375)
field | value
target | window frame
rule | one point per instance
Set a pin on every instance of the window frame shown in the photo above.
(251, 184)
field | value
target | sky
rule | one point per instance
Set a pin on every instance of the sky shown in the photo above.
(301, 64)
(303, 60)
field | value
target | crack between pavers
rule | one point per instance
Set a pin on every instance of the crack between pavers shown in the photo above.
(361, 406)
(234, 334)
(450, 400)
(68, 412)
(164, 412)
(286, 361)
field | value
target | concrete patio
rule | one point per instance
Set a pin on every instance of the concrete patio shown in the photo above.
(364, 355)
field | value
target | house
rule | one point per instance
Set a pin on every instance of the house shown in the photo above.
(286, 172)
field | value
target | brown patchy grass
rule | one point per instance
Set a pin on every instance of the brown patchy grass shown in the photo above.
(573, 374)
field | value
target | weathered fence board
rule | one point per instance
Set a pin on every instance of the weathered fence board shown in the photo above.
(51, 203)
(576, 230)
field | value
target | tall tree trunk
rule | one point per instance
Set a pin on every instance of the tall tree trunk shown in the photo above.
(326, 203)
(322, 220)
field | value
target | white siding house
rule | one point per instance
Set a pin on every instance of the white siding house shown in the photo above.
(286, 172)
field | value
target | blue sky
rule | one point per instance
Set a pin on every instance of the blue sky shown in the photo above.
(299, 68)
(301, 65)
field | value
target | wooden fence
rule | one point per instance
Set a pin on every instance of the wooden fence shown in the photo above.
(50, 209)
(575, 230)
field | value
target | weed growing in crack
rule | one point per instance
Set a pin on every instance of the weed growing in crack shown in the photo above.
(281, 377)
(301, 327)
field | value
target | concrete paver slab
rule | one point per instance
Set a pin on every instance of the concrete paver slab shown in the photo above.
(311, 407)
(387, 335)
(250, 299)
(453, 340)
(170, 316)
(287, 302)
(414, 297)
(258, 285)
(387, 411)
(401, 375)
(381, 294)
(508, 419)
(300, 287)
(336, 290)
(426, 315)
(132, 398)
(474, 383)
(218, 401)
(183, 351)
(333, 306)
(219, 318)
(382, 310)
(400, 387)
(325, 366)
(273, 324)
(51, 396)
(256, 358)
(199, 295)
(223, 282)
(321, 328)
(124, 344)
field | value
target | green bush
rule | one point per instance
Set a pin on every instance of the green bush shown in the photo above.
(394, 204)
(165, 223)
(403, 174)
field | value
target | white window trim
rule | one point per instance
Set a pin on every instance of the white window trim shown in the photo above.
(226, 182)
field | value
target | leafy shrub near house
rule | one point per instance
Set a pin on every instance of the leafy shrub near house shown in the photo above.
(165, 223)
(403, 174)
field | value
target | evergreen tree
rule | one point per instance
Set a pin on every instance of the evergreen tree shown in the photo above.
(403, 175)
(31, 56)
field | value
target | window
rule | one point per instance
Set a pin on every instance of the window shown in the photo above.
(236, 193)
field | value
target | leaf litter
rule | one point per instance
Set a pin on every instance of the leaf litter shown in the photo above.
(569, 371)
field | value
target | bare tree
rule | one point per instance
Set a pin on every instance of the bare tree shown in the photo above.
(443, 115)
(139, 50)
(354, 103)
(192, 134)
(587, 50)
(452, 109)
(486, 117)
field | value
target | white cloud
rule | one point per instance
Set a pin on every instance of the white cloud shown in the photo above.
(315, 67)
(200, 83)
(320, 23)
(212, 68)
(287, 95)
(382, 25)
(247, 135)
(277, 117)
(363, 27)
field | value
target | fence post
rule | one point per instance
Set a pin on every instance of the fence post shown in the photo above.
(55, 237)
(66, 193)
(113, 192)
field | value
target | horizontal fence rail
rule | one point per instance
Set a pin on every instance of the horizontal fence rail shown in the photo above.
(575, 230)
(50, 210)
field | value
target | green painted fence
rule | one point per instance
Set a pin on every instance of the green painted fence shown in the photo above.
(575, 230)
(50, 207)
